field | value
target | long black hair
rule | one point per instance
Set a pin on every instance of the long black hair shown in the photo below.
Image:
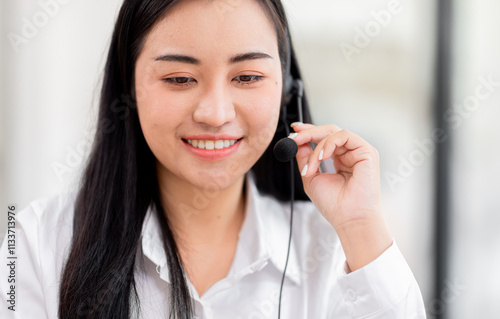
(119, 182)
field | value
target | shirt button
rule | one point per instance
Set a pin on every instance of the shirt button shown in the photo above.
(351, 295)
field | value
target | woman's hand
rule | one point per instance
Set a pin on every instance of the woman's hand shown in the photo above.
(350, 198)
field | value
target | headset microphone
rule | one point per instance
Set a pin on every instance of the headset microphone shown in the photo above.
(285, 150)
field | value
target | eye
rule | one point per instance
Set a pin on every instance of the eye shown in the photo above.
(248, 79)
(180, 81)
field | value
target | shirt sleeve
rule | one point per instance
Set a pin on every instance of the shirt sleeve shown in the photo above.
(385, 288)
(20, 277)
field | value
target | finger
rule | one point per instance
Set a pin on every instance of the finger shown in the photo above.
(316, 156)
(361, 159)
(298, 126)
(347, 148)
(314, 134)
(342, 142)
(340, 168)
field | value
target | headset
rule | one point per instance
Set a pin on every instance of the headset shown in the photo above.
(286, 149)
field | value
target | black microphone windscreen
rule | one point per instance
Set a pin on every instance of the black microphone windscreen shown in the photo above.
(285, 149)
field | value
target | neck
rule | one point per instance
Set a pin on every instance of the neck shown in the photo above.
(200, 216)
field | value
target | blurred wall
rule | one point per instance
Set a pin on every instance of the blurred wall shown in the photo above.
(474, 279)
(52, 56)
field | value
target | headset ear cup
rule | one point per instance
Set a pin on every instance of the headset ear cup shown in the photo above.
(288, 90)
(288, 87)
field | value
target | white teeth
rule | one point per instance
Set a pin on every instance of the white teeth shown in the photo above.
(210, 145)
(219, 145)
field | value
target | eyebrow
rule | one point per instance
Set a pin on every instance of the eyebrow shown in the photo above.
(249, 56)
(178, 58)
(232, 60)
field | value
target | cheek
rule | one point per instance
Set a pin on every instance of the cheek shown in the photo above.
(262, 117)
(147, 80)
(157, 109)
(159, 117)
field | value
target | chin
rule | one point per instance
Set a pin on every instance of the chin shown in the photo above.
(216, 180)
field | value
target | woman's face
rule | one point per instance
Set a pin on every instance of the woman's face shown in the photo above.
(208, 87)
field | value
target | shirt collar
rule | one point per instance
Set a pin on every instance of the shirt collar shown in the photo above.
(263, 237)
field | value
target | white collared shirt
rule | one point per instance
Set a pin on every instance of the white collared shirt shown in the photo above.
(316, 284)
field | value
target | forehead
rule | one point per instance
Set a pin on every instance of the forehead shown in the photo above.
(213, 25)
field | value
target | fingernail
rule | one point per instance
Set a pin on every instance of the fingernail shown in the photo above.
(292, 136)
(304, 170)
(321, 155)
(296, 124)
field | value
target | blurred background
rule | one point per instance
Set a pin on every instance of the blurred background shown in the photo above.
(420, 80)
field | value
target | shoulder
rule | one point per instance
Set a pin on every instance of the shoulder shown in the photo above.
(45, 228)
(48, 212)
(42, 232)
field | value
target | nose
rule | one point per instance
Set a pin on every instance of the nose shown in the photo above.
(215, 106)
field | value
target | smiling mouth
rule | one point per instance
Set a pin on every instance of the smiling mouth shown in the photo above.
(211, 144)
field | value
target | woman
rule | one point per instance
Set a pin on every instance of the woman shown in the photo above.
(182, 207)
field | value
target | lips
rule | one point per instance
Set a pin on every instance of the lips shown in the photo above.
(210, 147)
